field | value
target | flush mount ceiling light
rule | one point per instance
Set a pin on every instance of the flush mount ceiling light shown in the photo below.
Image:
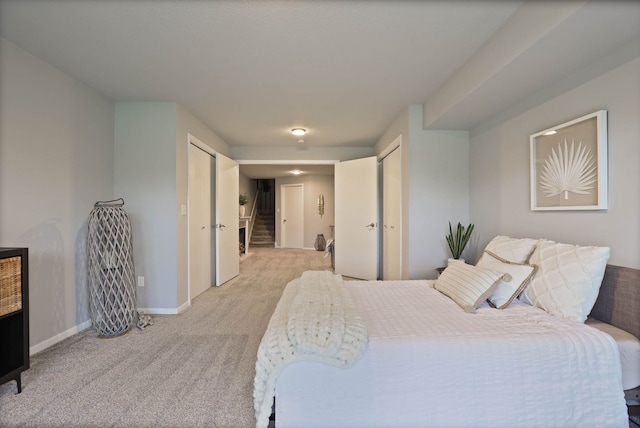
(296, 172)
(298, 132)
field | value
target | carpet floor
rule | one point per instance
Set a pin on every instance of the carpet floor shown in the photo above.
(195, 369)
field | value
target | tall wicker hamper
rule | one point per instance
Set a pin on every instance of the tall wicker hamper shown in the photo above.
(112, 294)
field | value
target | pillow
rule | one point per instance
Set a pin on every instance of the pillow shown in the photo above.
(568, 279)
(516, 277)
(516, 250)
(467, 285)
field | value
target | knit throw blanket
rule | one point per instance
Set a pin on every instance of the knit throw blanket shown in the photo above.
(315, 320)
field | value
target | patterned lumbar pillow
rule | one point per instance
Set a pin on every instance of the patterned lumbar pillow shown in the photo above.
(467, 285)
(515, 279)
(568, 279)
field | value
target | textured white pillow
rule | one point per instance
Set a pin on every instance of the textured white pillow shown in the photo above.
(467, 285)
(517, 250)
(568, 279)
(516, 277)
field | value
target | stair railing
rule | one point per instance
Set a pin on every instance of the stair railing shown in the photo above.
(253, 215)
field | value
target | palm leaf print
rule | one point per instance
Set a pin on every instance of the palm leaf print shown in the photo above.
(568, 170)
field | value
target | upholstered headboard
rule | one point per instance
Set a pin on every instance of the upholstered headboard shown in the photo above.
(618, 303)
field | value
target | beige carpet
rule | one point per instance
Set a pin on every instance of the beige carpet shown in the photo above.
(188, 370)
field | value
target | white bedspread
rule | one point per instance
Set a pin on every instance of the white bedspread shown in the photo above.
(430, 364)
(315, 320)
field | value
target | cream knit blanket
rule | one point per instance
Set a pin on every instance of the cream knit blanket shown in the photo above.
(315, 320)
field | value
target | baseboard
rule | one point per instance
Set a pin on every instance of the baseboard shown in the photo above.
(165, 311)
(85, 325)
(59, 337)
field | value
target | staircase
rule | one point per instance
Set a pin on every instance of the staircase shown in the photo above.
(263, 234)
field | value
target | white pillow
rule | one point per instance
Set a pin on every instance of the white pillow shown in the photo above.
(516, 250)
(568, 279)
(467, 285)
(516, 277)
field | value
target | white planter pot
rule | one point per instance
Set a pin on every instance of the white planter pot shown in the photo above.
(242, 210)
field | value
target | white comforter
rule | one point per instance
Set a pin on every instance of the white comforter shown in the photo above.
(428, 363)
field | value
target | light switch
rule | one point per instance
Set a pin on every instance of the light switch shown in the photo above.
(183, 210)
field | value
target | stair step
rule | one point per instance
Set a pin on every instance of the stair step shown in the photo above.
(263, 234)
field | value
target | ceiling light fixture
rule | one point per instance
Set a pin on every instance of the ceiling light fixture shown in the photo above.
(298, 132)
(296, 172)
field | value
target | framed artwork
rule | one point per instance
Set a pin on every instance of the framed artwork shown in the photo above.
(569, 165)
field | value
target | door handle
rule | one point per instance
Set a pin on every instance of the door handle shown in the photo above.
(220, 225)
(371, 225)
(284, 221)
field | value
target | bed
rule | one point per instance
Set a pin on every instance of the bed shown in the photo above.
(424, 359)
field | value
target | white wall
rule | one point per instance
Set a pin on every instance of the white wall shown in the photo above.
(499, 169)
(56, 161)
(145, 176)
(299, 152)
(151, 174)
(435, 190)
(439, 192)
(313, 223)
(249, 186)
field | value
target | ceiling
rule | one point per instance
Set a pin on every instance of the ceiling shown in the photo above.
(344, 70)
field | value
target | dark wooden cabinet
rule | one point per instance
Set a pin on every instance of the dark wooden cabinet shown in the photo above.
(14, 314)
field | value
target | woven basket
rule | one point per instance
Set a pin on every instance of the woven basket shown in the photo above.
(112, 293)
(10, 285)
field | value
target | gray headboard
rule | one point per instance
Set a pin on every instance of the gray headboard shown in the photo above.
(618, 303)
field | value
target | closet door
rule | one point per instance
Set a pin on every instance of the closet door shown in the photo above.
(392, 216)
(200, 269)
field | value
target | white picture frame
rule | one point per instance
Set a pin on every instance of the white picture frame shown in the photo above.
(568, 165)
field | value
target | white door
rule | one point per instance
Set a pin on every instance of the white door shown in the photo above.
(356, 218)
(391, 217)
(292, 216)
(200, 277)
(227, 237)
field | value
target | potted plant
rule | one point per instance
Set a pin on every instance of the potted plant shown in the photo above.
(243, 200)
(458, 240)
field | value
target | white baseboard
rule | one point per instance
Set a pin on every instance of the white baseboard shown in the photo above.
(59, 337)
(85, 325)
(165, 311)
